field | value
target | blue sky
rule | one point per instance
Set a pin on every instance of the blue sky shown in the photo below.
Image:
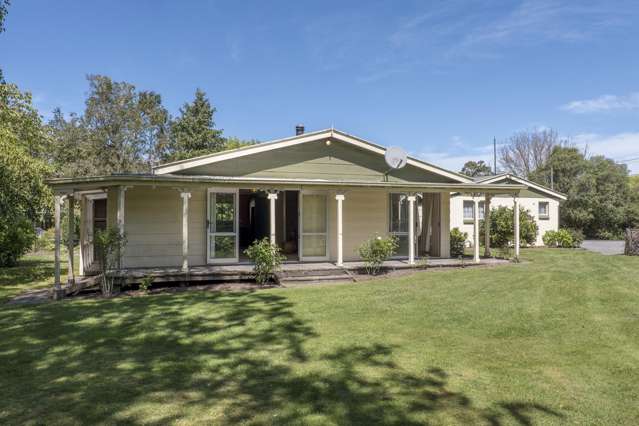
(437, 78)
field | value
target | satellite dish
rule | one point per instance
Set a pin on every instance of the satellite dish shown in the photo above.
(395, 157)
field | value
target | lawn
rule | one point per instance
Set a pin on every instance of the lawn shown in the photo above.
(553, 340)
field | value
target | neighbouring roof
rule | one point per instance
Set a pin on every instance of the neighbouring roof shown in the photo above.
(332, 134)
(506, 177)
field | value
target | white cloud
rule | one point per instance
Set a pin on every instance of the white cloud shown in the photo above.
(603, 103)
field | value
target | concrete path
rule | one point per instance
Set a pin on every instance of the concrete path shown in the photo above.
(604, 246)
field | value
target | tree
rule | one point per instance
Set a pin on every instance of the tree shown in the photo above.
(21, 120)
(4, 8)
(476, 169)
(193, 133)
(126, 128)
(527, 151)
(70, 153)
(24, 197)
(600, 198)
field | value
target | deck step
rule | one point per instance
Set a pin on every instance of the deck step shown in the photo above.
(310, 278)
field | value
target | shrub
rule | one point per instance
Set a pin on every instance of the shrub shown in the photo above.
(109, 245)
(562, 238)
(375, 251)
(17, 236)
(457, 242)
(145, 283)
(266, 258)
(502, 227)
(577, 237)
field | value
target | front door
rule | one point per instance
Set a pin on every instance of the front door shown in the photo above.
(222, 226)
(313, 226)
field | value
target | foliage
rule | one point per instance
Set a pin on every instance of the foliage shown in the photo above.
(16, 238)
(457, 242)
(561, 238)
(266, 258)
(476, 168)
(376, 250)
(109, 245)
(502, 227)
(145, 283)
(193, 133)
(127, 129)
(577, 237)
(526, 151)
(601, 202)
(4, 8)
(71, 153)
(235, 143)
(20, 121)
(24, 197)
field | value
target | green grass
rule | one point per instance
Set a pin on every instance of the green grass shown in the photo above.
(553, 340)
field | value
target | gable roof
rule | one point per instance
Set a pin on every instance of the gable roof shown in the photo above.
(529, 184)
(337, 135)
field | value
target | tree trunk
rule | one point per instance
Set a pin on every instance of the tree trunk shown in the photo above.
(632, 242)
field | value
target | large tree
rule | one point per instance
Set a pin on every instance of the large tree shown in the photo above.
(19, 118)
(476, 169)
(71, 153)
(126, 128)
(526, 151)
(4, 8)
(598, 189)
(193, 133)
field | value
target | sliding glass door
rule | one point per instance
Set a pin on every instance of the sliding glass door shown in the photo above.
(222, 226)
(313, 226)
(398, 226)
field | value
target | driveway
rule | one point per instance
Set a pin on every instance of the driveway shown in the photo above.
(604, 246)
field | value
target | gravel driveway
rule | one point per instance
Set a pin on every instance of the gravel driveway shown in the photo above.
(604, 247)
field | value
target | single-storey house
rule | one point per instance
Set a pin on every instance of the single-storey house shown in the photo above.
(542, 204)
(316, 195)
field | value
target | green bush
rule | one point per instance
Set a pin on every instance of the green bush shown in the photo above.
(17, 236)
(457, 242)
(145, 283)
(109, 245)
(502, 228)
(562, 238)
(577, 237)
(266, 258)
(375, 251)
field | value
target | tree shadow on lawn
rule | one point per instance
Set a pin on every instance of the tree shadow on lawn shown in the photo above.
(220, 357)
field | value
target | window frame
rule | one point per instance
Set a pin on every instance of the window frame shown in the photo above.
(545, 216)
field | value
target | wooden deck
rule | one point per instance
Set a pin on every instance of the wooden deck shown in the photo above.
(244, 271)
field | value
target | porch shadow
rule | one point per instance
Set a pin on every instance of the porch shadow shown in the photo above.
(234, 357)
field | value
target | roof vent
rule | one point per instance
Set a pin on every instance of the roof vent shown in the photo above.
(299, 129)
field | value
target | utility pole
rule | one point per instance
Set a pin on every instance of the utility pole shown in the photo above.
(552, 178)
(495, 155)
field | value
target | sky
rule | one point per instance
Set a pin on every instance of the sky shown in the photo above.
(439, 79)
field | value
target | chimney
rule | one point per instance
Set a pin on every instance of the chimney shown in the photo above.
(299, 129)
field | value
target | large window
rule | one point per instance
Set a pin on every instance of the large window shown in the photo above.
(398, 215)
(544, 210)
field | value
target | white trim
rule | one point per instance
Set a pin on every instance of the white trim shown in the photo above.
(297, 140)
(524, 182)
(235, 192)
(301, 234)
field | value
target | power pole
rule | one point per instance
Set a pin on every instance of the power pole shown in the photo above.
(495, 155)
(552, 178)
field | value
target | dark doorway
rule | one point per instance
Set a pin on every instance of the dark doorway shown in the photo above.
(254, 220)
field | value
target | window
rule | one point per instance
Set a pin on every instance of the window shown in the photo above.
(481, 210)
(469, 211)
(398, 225)
(544, 210)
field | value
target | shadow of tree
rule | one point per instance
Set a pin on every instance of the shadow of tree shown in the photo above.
(214, 358)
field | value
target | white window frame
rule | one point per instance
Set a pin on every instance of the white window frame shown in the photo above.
(210, 235)
(470, 219)
(398, 234)
(545, 216)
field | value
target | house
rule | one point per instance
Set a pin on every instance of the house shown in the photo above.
(542, 204)
(316, 195)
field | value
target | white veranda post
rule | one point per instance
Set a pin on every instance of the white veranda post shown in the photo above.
(272, 196)
(411, 229)
(70, 239)
(487, 200)
(340, 240)
(475, 229)
(516, 222)
(120, 216)
(185, 229)
(58, 200)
